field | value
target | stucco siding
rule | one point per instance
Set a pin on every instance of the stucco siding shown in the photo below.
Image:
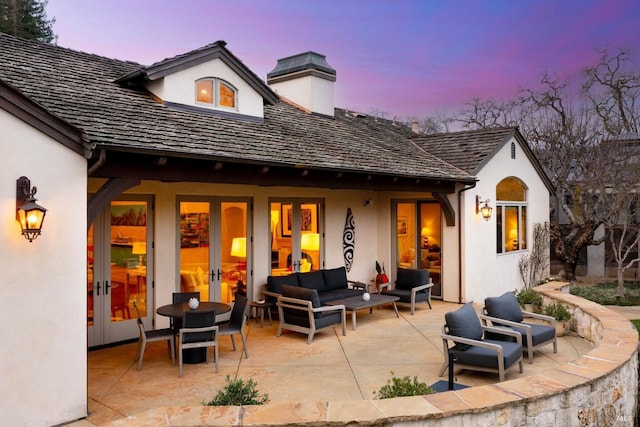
(43, 293)
(486, 272)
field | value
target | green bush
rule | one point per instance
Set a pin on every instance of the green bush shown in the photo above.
(401, 387)
(528, 296)
(558, 311)
(237, 393)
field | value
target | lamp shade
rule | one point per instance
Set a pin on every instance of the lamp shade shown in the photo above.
(239, 247)
(139, 248)
(310, 242)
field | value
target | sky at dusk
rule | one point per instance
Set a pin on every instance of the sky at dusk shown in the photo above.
(402, 57)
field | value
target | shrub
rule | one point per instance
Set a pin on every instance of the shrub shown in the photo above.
(401, 387)
(237, 393)
(528, 296)
(558, 311)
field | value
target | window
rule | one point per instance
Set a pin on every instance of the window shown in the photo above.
(511, 215)
(216, 93)
(513, 150)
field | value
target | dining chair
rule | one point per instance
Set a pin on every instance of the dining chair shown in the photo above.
(198, 331)
(155, 335)
(179, 297)
(237, 323)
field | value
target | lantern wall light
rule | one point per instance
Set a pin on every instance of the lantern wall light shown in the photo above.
(485, 209)
(29, 214)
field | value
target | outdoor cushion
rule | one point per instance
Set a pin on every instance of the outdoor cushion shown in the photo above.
(274, 283)
(406, 296)
(312, 280)
(504, 307)
(464, 322)
(304, 294)
(539, 334)
(335, 278)
(335, 294)
(480, 356)
(409, 278)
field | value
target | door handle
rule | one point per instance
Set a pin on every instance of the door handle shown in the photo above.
(98, 288)
(219, 273)
(106, 287)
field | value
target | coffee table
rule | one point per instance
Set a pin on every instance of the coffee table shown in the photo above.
(354, 304)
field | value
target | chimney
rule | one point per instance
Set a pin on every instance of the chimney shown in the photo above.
(307, 80)
(414, 126)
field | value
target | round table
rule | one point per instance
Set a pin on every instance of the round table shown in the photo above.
(192, 355)
(178, 309)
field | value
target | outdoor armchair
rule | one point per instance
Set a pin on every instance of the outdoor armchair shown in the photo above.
(154, 335)
(471, 350)
(411, 286)
(300, 311)
(505, 311)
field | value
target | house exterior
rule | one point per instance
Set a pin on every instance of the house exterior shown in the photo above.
(193, 174)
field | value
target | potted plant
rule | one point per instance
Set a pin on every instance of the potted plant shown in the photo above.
(558, 311)
(529, 299)
(381, 277)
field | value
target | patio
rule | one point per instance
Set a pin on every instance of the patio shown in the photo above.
(332, 368)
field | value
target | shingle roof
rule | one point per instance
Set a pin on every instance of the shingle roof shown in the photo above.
(468, 150)
(80, 88)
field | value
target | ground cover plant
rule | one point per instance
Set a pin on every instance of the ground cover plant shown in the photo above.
(606, 293)
(238, 392)
(401, 387)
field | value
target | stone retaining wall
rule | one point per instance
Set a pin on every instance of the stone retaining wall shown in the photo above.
(598, 389)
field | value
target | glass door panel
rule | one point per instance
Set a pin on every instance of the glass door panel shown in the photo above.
(430, 248)
(117, 272)
(233, 249)
(406, 235)
(296, 236)
(194, 248)
(214, 247)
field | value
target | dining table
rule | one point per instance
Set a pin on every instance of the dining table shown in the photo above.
(192, 355)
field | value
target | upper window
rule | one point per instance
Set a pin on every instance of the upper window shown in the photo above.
(216, 93)
(511, 215)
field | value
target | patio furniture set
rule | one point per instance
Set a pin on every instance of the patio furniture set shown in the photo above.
(493, 341)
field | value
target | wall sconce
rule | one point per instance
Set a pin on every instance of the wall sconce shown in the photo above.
(485, 209)
(29, 214)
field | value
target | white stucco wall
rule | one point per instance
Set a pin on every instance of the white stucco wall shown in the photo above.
(487, 273)
(310, 92)
(180, 87)
(43, 296)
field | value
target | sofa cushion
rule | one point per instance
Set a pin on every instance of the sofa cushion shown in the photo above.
(504, 307)
(274, 283)
(464, 323)
(312, 280)
(303, 294)
(335, 278)
(408, 278)
(335, 294)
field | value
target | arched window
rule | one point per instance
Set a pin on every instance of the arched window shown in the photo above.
(511, 215)
(215, 92)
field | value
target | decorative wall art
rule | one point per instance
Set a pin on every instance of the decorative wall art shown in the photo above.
(349, 239)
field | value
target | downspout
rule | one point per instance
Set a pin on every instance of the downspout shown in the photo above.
(460, 240)
(100, 162)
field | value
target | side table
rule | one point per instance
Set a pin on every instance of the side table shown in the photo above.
(260, 307)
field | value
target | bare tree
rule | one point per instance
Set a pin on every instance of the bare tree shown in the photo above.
(439, 122)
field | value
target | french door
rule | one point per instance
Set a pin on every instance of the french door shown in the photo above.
(418, 241)
(119, 267)
(215, 247)
(296, 235)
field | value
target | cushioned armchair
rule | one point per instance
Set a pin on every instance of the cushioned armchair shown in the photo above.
(300, 311)
(411, 286)
(505, 311)
(472, 350)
